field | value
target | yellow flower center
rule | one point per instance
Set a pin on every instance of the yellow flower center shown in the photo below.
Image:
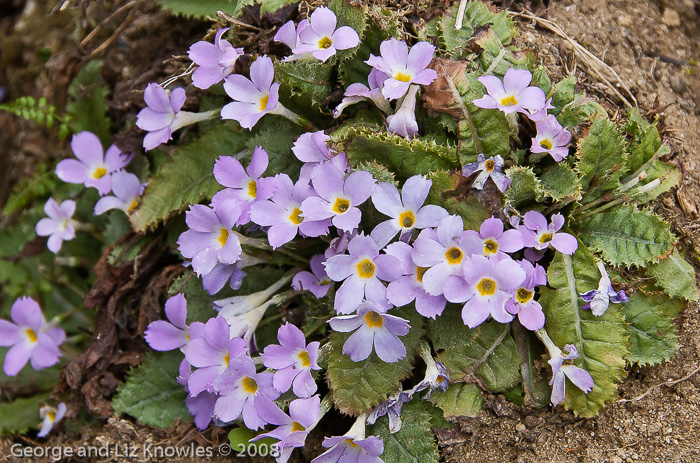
(486, 287)
(546, 237)
(490, 247)
(454, 255)
(30, 334)
(227, 358)
(546, 144)
(509, 101)
(51, 416)
(263, 102)
(304, 357)
(99, 172)
(374, 320)
(402, 77)
(249, 385)
(132, 206)
(490, 165)
(324, 282)
(295, 218)
(223, 237)
(523, 295)
(341, 205)
(420, 271)
(407, 219)
(297, 427)
(325, 42)
(351, 443)
(252, 189)
(365, 269)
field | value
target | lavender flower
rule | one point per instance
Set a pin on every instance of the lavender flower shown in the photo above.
(49, 417)
(513, 94)
(337, 198)
(537, 116)
(377, 330)
(523, 304)
(173, 334)
(293, 360)
(403, 122)
(551, 138)
(539, 235)
(201, 406)
(495, 240)
(244, 186)
(406, 211)
(317, 37)
(359, 92)
(392, 409)
(599, 300)
(58, 226)
(283, 214)
(211, 238)
(489, 168)
(291, 429)
(361, 272)
(215, 61)
(486, 286)
(352, 447)
(316, 281)
(403, 67)
(93, 168)
(436, 377)
(127, 189)
(214, 281)
(578, 376)
(312, 149)
(31, 337)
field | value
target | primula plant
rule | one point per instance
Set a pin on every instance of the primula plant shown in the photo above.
(368, 224)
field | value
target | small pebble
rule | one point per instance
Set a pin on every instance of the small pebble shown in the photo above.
(676, 84)
(520, 427)
(671, 18)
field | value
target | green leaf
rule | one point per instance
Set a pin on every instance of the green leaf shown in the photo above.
(447, 192)
(306, 83)
(87, 104)
(151, 394)
(525, 187)
(668, 175)
(278, 145)
(270, 6)
(497, 58)
(648, 144)
(602, 159)
(564, 93)
(460, 399)
(21, 415)
(579, 111)
(351, 15)
(541, 79)
(415, 442)
(199, 8)
(625, 235)
(601, 341)
(39, 185)
(187, 178)
(356, 387)
(561, 184)
(676, 276)
(238, 437)
(487, 352)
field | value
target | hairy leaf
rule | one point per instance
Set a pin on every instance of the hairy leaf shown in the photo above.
(601, 341)
(187, 177)
(447, 192)
(200, 8)
(307, 83)
(21, 415)
(151, 394)
(460, 399)
(524, 188)
(602, 159)
(561, 184)
(496, 58)
(278, 143)
(676, 276)
(415, 442)
(87, 104)
(625, 235)
(564, 93)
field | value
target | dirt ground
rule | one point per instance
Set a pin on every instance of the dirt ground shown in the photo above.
(655, 48)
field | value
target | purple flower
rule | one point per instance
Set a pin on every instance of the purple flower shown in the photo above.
(252, 98)
(283, 214)
(361, 272)
(316, 281)
(210, 238)
(293, 428)
(599, 300)
(406, 211)
(578, 376)
(160, 117)
(346, 449)
(392, 409)
(127, 189)
(318, 36)
(50, 416)
(58, 226)
(441, 251)
(312, 149)
(31, 337)
(486, 286)
(359, 92)
(244, 186)
(174, 333)
(551, 138)
(403, 122)
(436, 376)
(513, 94)
(403, 67)
(489, 168)
(377, 330)
(201, 406)
(523, 304)
(539, 235)
(293, 360)
(211, 354)
(537, 116)
(215, 60)
(496, 241)
(242, 391)
(338, 198)
(214, 281)
(410, 286)
(93, 168)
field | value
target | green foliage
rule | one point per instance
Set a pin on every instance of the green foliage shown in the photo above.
(625, 235)
(307, 83)
(270, 6)
(460, 399)
(187, 178)
(525, 187)
(151, 394)
(40, 112)
(356, 387)
(414, 443)
(676, 276)
(199, 9)
(601, 341)
(447, 192)
(495, 58)
(87, 105)
(39, 185)
(486, 352)
(561, 184)
(21, 415)
(278, 143)
(564, 93)
(602, 159)
(241, 436)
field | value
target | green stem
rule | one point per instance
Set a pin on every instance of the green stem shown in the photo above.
(294, 117)
(270, 319)
(317, 326)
